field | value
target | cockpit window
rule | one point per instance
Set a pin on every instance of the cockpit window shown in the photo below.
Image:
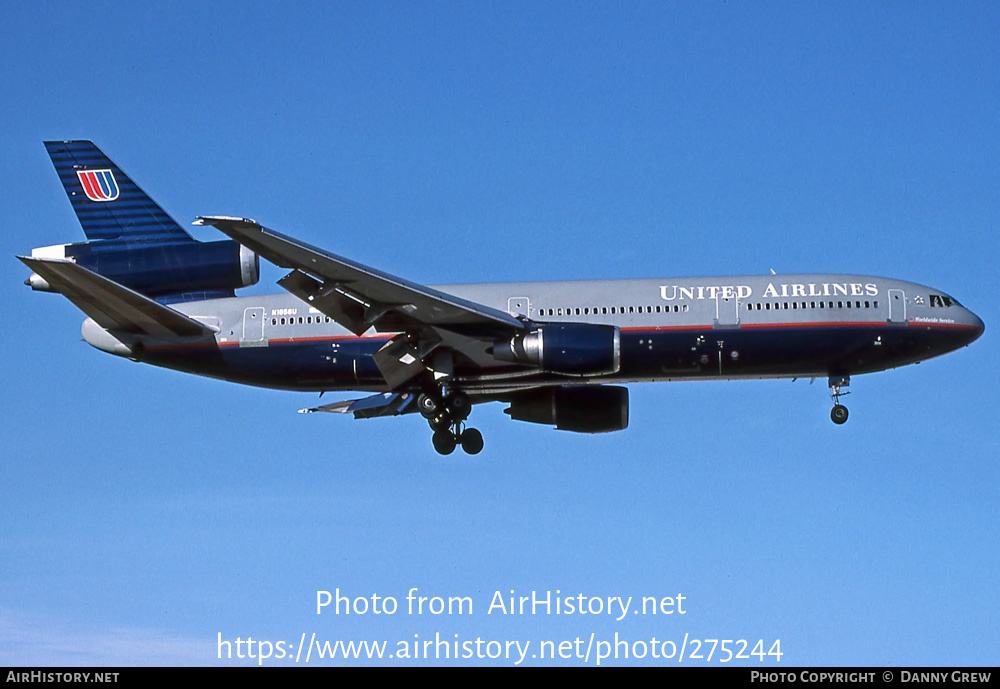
(943, 300)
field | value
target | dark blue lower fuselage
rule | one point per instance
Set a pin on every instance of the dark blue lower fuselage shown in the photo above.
(647, 354)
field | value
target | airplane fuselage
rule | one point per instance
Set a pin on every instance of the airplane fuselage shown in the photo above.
(671, 329)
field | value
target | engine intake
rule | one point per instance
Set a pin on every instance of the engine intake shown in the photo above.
(571, 348)
(580, 409)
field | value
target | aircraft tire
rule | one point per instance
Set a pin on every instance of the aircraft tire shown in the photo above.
(427, 405)
(458, 405)
(444, 442)
(838, 414)
(472, 441)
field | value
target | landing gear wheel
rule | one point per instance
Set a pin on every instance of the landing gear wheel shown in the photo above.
(428, 406)
(839, 412)
(458, 405)
(472, 441)
(446, 412)
(444, 442)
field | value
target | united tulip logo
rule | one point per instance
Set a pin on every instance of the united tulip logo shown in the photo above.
(99, 185)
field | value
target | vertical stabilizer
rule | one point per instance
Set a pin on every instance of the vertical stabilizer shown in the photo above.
(107, 202)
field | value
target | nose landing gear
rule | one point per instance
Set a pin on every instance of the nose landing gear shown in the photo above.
(446, 414)
(839, 412)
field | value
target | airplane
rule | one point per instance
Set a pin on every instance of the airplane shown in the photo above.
(558, 353)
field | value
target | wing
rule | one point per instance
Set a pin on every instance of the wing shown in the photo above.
(113, 306)
(434, 325)
(360, 296)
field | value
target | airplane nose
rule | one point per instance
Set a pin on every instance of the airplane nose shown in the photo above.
(974, 327)
(978, 324)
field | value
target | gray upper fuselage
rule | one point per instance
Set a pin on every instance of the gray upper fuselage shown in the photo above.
(741, 301)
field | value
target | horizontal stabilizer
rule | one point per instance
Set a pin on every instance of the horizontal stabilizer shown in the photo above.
(113, 306)
(386, 404)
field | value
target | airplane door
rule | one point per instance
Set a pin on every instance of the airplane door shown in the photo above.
(897, 306)
(253, 328)
(727, 311)
(519, 306)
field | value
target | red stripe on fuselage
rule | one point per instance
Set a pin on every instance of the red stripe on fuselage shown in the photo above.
(330, 338)
(273, 340)
(816, 324)
(664, 328)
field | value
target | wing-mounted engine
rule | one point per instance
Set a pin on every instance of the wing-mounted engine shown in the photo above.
(578, 349)
(581, 409)
(157, 270)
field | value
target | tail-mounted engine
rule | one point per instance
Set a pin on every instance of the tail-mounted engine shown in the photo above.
(161, 269)
(578, 349)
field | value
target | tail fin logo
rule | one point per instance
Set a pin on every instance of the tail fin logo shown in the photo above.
(99, 185)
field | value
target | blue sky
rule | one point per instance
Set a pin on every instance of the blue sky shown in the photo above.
(144, 512)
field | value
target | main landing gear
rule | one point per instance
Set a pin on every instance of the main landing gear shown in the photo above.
(839, 412)
(446, 414)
